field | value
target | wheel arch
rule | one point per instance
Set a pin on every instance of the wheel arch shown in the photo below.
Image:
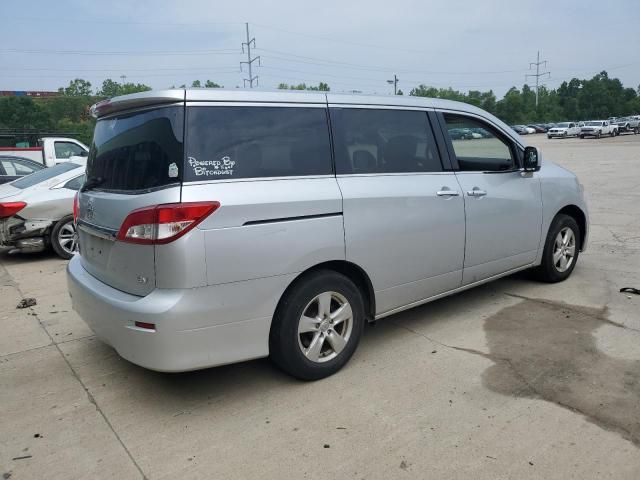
(350, 270)
(579, 216)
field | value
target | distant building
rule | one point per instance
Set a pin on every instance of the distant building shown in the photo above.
(27, 93)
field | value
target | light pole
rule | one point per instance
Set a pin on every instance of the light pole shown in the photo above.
(395, 84)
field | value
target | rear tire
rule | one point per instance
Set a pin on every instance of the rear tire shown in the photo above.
(64, 239)
(317, 325)
(561, 250)
(582, 137)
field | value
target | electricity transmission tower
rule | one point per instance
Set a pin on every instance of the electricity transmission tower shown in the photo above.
(249, 62)
(537, 63)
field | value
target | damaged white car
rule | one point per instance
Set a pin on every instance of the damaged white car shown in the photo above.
(36, 211)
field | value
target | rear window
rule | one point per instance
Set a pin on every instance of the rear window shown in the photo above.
(43, 175)
(137, 151)
(250, 142)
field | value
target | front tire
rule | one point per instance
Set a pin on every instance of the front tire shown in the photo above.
(317, 325)
(561, 250)
(64, 238)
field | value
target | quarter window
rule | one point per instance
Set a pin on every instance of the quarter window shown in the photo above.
(255, 142)
(383, 141)
(476, 145)
(75, 183)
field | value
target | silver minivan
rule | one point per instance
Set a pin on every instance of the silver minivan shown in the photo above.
(220, 226)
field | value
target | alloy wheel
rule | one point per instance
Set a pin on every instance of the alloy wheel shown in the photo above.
(325, 327)
(564, 249)
(67, 238)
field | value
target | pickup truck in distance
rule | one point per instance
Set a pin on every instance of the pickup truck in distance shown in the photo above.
(598, 128)
(50, 150)
(628, 124)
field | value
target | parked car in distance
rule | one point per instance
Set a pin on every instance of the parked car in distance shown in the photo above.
(564, 130)
(537, 128)
(12, 168)
(519, 129)
(36, 211)
(50, 150)
(260, 228)
(598, 128)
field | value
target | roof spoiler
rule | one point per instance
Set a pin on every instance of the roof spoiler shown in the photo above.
(136, 100)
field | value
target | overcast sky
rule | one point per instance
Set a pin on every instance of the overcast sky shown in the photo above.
(352, 45)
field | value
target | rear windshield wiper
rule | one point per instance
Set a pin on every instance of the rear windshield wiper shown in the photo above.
(92, 183)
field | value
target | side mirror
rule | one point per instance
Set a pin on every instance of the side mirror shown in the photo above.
(532, 159)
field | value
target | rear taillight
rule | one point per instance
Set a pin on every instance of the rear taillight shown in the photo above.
(9, 209)
(76, 208)
(165, 223)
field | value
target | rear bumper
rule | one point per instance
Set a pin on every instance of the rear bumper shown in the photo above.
(26, 235)
(195, 328)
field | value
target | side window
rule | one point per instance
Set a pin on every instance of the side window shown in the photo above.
(476, 146)
(253, 142)
(67, 149)
(22, 168)
(7, 168)
(75, 183)
(383, 141)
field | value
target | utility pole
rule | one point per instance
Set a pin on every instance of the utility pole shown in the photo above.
(123, 78)
(537, 63)
(249, 62)
(395, 84)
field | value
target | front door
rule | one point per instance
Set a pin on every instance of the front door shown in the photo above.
(503, 205)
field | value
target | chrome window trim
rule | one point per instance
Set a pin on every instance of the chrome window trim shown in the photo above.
(213, 103)
(96, 231)
(372, 106)
(257, 179)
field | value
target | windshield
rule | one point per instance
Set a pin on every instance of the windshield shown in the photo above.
(562, 125)
(593, 124)
(137, 151)
(44, 175)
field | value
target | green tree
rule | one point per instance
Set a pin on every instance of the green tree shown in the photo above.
(210, 84)
(23, 113)
(77, 88)
(111, 88)
(196, 84)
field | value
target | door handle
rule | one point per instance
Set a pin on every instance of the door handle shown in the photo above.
(447, 193)
(476, 192)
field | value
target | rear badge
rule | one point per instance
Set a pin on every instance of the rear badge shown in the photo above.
(141, 279)
(90, 212)
(173, 170)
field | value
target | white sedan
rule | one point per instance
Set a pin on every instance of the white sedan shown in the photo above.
(36, 211)
(564, 130)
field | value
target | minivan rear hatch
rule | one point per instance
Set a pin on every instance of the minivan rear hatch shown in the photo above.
(135, 161)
